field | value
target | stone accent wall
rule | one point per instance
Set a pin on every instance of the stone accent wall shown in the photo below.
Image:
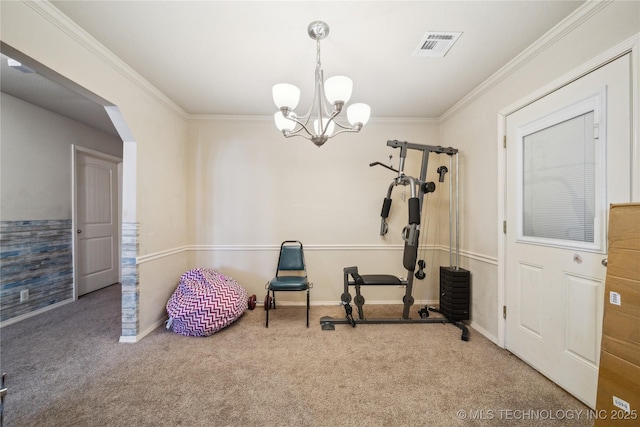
(34, 256)
(130, 282)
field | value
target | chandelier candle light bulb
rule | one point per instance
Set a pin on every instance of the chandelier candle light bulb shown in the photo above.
(329, 99)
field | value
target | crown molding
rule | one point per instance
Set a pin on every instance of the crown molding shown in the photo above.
(73, 31)
(408, 120)
(557, 33)
(229, 117)
(258, 118)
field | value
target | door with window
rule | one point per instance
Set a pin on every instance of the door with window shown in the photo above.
(568, 157)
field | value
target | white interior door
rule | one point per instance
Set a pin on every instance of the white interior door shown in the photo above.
(96, 222)
(568, 157)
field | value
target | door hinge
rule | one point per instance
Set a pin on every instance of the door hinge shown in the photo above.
(504, 141)
(504, 227)
(504, 311)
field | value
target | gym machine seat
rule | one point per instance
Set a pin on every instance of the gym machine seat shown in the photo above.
(353, 278)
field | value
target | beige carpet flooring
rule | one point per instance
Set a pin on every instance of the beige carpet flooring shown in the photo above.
(66, 368)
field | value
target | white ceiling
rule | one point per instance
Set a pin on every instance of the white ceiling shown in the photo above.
(223, 57)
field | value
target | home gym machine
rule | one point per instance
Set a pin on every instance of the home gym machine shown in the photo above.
(454, 282)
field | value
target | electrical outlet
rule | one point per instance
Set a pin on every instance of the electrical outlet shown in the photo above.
(24, 295)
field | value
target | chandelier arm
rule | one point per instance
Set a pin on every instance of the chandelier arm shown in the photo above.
(331, 118)
(307, 116)
(297, 133)
(303, 126)
(319, 97)
(346, 129)
(340, 125)
(328, 108)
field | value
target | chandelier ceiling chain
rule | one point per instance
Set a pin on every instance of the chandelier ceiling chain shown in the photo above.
(318, 64)
(328, 101)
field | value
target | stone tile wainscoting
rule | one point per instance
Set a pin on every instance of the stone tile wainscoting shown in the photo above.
(35, 256)
(130, 282)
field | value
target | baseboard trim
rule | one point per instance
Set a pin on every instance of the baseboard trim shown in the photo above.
(35, 313)
(131, 339)
(483, 332)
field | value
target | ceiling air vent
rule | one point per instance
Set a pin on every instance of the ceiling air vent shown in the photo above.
(436, 44)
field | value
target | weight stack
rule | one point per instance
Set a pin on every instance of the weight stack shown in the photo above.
(454, 293)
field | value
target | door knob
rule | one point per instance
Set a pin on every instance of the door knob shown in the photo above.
(79, 231)
(604, 262)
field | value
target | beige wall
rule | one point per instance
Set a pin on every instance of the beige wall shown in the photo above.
(36, 160)
(474, 128)
(251, 188)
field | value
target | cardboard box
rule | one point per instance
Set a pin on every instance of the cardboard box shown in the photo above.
(618, 399)
(624, 263)
(622, 294)
(624, 241)
(621, 336)
(624, 227)
(621, 328)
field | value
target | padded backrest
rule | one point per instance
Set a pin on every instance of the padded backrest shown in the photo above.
(291, 257)
(411, 254)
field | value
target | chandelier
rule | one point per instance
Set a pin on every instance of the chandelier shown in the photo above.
(329, 99)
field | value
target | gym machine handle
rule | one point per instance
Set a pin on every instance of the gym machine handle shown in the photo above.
(442, 170)
(409, 234)
(414, 210)
(383, 165)
(386, 207)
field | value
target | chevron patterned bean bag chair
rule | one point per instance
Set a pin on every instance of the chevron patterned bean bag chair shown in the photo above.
(204, 302)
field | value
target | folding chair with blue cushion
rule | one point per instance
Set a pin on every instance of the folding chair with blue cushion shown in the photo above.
(291, 275)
